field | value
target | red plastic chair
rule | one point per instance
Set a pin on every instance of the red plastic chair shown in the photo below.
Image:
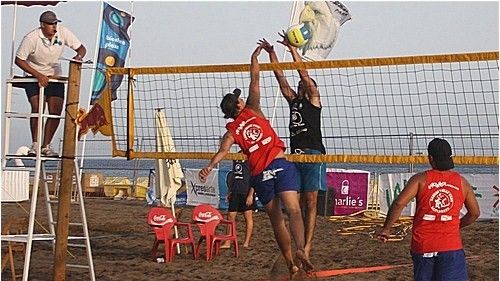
(162, 221)
(207, 218)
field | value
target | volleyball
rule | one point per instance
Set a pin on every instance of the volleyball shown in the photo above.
(298, 35)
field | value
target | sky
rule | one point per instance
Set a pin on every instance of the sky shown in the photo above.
(167, 33)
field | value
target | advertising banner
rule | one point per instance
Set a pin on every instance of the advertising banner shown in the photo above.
(350, 188)
(390, 186)
(485, 188)
(223, 189)
(202, 193)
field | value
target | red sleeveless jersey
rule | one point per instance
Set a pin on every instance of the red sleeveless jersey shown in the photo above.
(436, 225)
(256, 138)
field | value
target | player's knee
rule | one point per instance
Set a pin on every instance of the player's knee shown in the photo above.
(293, 211)
(55, 110)
(311, 204)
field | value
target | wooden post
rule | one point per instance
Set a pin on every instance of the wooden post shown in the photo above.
(67, 170)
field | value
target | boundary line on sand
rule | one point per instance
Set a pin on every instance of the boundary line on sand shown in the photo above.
(335, 272)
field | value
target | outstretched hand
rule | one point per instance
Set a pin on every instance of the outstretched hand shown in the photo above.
(256, 53)
(284, 39)
(266, 45)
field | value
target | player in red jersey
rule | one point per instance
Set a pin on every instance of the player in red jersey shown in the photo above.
(274, 178)
(436, 245)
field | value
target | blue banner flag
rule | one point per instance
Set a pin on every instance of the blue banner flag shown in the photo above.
(113, 48)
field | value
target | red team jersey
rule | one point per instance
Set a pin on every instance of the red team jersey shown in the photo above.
(256, 138)
(436, 224)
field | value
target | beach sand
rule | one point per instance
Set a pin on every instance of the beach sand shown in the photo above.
(121, 244)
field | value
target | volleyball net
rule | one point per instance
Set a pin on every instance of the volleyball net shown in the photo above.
(376, 110)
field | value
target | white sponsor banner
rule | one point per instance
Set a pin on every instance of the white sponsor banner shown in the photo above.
(202, 193)
(390, 186)
(485, 188)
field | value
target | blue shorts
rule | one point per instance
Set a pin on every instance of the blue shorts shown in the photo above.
(449, 265)
(312, 175)
(54, 89)
(278, 177)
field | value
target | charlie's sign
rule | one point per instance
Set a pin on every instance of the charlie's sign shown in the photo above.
(350, 189)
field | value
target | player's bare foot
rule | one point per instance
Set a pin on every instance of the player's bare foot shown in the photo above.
(304, 260)
(293, 269)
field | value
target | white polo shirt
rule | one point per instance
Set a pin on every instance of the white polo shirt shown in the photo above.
(43, 54)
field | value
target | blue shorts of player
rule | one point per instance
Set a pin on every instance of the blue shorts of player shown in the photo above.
(312, 176)
(238, 203)
(278, 177)
(52, 90)
(440, 266)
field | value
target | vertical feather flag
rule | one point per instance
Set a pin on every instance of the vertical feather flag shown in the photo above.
(113, 48)
(323, 19)
(114, 43)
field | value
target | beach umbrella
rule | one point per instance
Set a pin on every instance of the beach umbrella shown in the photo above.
(169, 173)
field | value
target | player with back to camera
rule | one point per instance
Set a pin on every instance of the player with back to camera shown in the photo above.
(436, 246)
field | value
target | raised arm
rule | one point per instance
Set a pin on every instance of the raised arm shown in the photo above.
(312, 93)
(287, 92)
(253, 100)
(225, 146)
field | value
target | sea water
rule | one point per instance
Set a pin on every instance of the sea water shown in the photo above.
(120, 167)
(141, 167)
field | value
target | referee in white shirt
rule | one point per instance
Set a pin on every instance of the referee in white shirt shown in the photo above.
(38, 55)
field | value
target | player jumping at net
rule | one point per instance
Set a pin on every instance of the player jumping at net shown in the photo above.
(305, 135)
(274, 178)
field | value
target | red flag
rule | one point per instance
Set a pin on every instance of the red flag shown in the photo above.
(98, 119)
